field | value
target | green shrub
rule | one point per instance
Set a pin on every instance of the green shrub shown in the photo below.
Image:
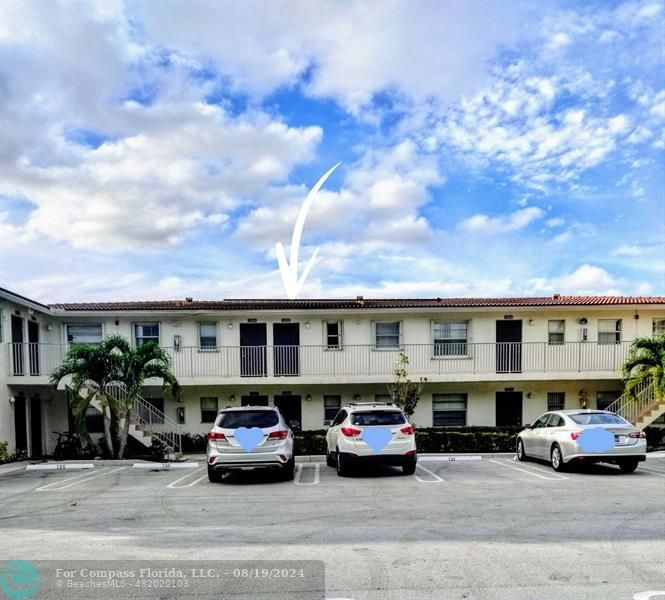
(4, 452)
(655, 438)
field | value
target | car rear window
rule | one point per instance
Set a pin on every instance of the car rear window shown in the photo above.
(597, 419)
(248, 418)
(378, 417)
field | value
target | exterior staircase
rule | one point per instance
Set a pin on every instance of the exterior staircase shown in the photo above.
(147, 422)
(641, 406)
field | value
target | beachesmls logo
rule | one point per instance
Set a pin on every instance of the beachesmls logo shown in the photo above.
(19, 580)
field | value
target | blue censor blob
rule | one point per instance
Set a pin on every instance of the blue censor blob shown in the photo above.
(19, 580)
(249, 438)
(596, 440)
(376, 437)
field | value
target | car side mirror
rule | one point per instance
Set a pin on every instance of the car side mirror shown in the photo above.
(528, 426)
(327, 423)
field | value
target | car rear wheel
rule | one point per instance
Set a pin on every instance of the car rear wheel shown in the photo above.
(409, 468)
(556, 458)
(330, 461)
(340, 464)
(289, 470)
(521, 454)
(628, 466)
(214, 476)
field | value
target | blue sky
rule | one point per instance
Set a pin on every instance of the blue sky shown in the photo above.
(160, 150)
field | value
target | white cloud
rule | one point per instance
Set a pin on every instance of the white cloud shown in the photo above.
(349, 52)
(555, 222)
(483, 224)
(585, 280)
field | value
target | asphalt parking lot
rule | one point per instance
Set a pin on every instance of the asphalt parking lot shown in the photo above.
(476, 529)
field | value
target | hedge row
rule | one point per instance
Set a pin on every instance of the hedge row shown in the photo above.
(428, 439)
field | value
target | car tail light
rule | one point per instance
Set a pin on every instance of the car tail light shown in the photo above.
(216, 435)
(638, 434)
(212, 460)
(408, 430)
(575, 434)
(281, 457)
(350, 431)
(278, 435)
(410, 453)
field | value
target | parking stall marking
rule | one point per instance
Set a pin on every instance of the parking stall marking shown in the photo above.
(174, 484)
(299, 471)
(436, 478)
(58, 485)
(652, 471)
(550, 476)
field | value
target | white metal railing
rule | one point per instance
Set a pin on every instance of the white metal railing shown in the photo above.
(634, 404)
(150, 418)
(427, 360)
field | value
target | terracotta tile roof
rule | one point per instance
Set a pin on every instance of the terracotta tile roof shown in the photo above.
(314, 304)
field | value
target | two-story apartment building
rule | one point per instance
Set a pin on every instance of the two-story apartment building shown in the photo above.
(488, 361)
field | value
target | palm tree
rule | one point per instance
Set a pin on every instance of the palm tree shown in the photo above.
(92, 368)
(646, 361)
(148, 361)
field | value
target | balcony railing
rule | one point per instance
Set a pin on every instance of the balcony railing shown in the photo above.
(427, 360)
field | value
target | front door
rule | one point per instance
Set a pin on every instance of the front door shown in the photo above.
(36, 427)
(286, 339)
(290, 407)
(254, 400)
(508, 409)
(509, 346)
(33, 347)
(17, 345)
(20, 424)
(253, 356)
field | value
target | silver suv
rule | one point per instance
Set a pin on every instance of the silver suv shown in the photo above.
(247, 438)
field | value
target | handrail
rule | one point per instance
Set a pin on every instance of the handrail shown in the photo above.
(141, 408)
(430, 360)
(633, 404)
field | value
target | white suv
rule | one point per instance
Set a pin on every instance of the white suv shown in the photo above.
(372, 432)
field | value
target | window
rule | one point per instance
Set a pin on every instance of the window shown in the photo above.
(208, 336)
(84, 333)
(331, 406)
(368, 418)
(609, 331)
(449, 338)
(541, 422)
(180, 415)
(208, 410)
(387, 335)
(341, 415)
(556, 400)
(333, 330)
(234, 419)
(597, 419)
(146, 332)
(658, 327)
(449, 410)
(604, 399)
(556, 331)
(555, 421)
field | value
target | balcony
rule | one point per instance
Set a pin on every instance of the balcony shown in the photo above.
(32, 363)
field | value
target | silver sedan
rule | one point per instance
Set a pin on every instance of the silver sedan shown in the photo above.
(559, 437)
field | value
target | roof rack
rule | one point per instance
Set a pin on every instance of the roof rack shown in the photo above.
(380, 403)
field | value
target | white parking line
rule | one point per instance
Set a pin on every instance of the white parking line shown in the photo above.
(57, 485)
(437, 479)
(447, 458)
(173, 485)
(551, 476)
(299, 470)
(650, 470)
